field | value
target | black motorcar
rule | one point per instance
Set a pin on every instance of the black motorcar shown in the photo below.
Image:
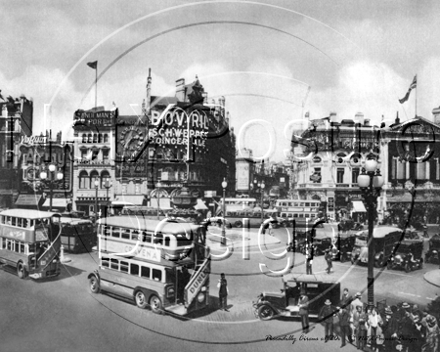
(408, 256)
(317, 288)
(344, 246)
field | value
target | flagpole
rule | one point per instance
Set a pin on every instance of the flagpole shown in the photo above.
(96, 86)
(416, 99)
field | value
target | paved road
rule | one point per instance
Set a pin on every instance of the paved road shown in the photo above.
(62, 315)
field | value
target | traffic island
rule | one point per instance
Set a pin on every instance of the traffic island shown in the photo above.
(433, 277)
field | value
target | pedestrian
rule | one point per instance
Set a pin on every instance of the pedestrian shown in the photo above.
(223, 292)
(418, 335)
(374, 321)
(346, 299)
(328, 259)
(303, 304)
(344, 325)
(326, 317)
(309, 259)
(356, 302)
(359, 321)
(432, 335)
(389, 329)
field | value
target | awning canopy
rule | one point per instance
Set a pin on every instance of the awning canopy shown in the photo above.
(56, 202)
(358, 207)
(28, 200)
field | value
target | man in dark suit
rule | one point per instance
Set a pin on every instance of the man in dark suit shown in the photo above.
(303, 304)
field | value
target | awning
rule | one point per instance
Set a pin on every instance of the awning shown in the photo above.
(358, 207)
(56, 203)
(134, 200)
(28, 200)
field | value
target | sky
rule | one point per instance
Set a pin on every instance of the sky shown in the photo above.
(273, 61)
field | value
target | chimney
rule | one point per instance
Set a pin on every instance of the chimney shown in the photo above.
(359, 118)
(148, 98)
(180, 89)
(436, 115)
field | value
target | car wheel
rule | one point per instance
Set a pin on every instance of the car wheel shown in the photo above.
(94, 284)
(141, 300)
(265, 312)
(21, 271)
(407, 268)
(238, 224)
(156, 304)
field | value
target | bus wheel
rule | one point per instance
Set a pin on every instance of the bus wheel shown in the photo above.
(94, 284)
(156, 304)
(21, 271)
(238, 224)
(141, 300)
(265, 312)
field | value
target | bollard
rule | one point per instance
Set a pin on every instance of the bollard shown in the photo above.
(62, 258)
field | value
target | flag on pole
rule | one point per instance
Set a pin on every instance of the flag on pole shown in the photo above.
(93, 64)
(411, 87)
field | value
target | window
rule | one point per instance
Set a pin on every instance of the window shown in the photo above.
(105, 262)
(125, 234)
(134, 269)
(146, 237)
(354, 174)
(167, 241)
(157, 275)
(340, 175)
(106, 138)
(22, 248)
(17, 246)
(116, 231)
(99, 138)
(124, 267)
(114, 264)
(421, 171)
(84, 138)
(83, 154)
(83, 180)
(89, 137)
(145, 272)
(401, 168)
(94, 176)
(95, 138)
(105, 154)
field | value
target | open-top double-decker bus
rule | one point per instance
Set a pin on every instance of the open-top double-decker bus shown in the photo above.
(161, 264)
(30, 241)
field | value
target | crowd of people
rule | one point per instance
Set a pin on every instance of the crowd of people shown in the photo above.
(401, 327)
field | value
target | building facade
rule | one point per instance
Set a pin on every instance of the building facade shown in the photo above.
(15, 124)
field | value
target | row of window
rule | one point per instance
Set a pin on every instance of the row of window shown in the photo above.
(95, 138)
(298, 215)
(298, 204)
(143, 270)
(21, 222)
(12, 245)
(87, 181)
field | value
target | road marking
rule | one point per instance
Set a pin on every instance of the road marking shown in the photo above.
(376, 270)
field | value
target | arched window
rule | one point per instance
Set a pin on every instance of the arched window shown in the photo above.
(106, 138)
(94, 176)
(90, 138)
(84, 138)
(104, 175)
(99, 138)
(83, 180)
(95, 137)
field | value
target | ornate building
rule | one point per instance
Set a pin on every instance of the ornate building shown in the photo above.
(408, 153)
(15, 124)
(94, 167)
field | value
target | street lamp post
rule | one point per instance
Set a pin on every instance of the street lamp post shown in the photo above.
(96, 200)
(107, 184)
(370, 182)
(51, 180)
(224, 185)
(262, 185)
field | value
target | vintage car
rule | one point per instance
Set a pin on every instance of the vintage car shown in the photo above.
(344, 246)
(408, 256)
(385, 239)
(317, 288)
(433, 253)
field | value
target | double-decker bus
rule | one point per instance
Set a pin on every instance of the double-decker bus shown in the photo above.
(234, 204)
(298, 209)
(77, 235)
(30, 241)
(161, 264)
(235, 218)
